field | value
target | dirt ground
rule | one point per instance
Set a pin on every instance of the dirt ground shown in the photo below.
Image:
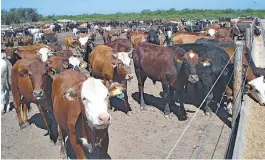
(255, 131)
(144, 135)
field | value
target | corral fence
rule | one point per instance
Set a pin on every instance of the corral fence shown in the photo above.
(236, 141)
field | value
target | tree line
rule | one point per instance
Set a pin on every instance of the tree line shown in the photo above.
(22, 15)
(19, 15)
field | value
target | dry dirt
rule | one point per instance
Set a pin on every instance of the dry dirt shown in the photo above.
(255, 131)
(144, 135)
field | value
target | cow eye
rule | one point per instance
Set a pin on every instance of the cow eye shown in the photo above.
(256, 90)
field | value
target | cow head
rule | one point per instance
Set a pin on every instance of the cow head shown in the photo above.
(122, 61)
(153, 37)
(44, 53)
(9, 51)
(37, 72)
(257, 89)
(235, 31)
(94, 95)
(190, 61)
(57, 64)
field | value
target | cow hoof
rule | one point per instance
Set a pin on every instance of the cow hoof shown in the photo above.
(143, 108)
(24, 125)
(208, 113)
(182, 118)
(167, 116)
(130, 113)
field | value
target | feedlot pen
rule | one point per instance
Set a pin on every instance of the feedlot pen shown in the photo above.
(144, 135)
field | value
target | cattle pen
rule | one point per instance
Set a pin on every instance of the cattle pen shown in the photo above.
(147, 134)
(237, 144)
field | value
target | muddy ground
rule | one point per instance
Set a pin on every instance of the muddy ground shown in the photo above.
(144, 135)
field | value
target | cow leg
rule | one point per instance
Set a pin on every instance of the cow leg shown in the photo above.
(104, 148)
(207, 109)
(18, 110)
(44, 119)
(166, 98)
(141, 79)
(128, 109)
(25, 115)
(61, 140)
(181, 109)
(77, 147)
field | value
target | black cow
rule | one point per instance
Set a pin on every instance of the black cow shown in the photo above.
(210, 69)
(50, 38)
(153, 37)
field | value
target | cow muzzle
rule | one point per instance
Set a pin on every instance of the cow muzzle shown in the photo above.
(129, 76)
(193, 78)
(38, 94)
(8, 57)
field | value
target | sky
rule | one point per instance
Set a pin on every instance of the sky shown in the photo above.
(74, 7)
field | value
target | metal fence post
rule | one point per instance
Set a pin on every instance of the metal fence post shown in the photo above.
(237, 91)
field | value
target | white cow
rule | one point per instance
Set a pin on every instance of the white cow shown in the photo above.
(257, 89)
(5, 86)
(37, 37)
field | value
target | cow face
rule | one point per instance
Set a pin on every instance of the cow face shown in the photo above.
(37, 72)
(57, 64)
(235, 31)
(44, 54)
(123, 65)
(9, 51)
(153, 37)
(190, 61)
(257, 89)
(94, 95)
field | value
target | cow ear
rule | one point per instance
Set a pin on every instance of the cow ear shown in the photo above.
(70, 94)
(23, 73)
(114, 60)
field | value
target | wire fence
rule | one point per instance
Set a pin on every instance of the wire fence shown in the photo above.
(198, 109)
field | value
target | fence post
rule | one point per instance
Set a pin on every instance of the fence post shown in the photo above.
(248, 38)
(237, 91)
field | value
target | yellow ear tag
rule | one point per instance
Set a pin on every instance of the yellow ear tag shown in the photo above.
(206, 63)
(83, 65)
(117, 91)
(178, 60)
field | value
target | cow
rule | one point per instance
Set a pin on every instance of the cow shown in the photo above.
(187, 37)
(31, 83)
(50, 38)
(137, 37)
(252, 72)
(70, 42)
(81, 110)
(5, 86)
(9, 41)
(164, 64)
(215, 60)
(85, 46)
(153, 37)
(38, 51)
(25, 41)
(228, 32)
(120, 45)
(37, 38)
(107, 64)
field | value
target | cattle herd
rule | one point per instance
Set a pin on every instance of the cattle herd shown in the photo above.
(76, 89)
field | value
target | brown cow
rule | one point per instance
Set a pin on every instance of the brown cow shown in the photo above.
(38, 51)
(80, 109)
(164, 64)
(228, 32)
(137, 37)
(187, 37)
(108, 65)
(70, 42)
(30, 83)
(120, 45)
(25, 41)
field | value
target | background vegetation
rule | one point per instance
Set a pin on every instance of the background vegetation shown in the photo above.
(22, 15)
